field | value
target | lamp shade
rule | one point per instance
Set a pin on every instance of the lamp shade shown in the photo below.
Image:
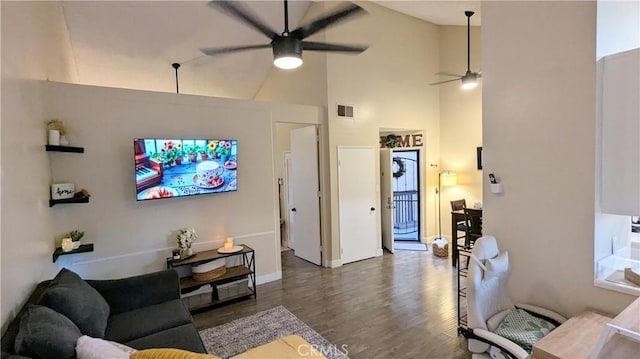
(448, 178)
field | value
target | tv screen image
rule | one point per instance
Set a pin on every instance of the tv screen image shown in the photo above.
(166, 168)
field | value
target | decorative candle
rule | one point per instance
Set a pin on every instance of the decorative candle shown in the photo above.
(228, 245)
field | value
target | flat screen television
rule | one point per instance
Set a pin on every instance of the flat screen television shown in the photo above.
(175, 167)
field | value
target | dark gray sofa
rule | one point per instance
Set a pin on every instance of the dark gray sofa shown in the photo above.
(145, 312)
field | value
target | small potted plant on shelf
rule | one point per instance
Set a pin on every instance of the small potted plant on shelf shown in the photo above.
(56, 130)
(75, 236)
(185, 238)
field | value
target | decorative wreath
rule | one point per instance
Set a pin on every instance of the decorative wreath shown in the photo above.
(401, 168)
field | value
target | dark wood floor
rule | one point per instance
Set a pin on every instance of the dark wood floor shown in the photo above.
(394, 306)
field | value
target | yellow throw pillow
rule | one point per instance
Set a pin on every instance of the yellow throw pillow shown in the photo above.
(169, 354)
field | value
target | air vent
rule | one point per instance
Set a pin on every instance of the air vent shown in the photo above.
(345, 111)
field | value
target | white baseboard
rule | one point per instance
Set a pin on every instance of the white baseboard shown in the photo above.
(379, 252)
(271, 277)
(333, 264)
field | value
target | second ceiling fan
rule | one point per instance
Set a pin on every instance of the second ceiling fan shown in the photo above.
(288, 46)
(469, 79)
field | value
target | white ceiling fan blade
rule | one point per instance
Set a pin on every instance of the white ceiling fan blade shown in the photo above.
(443, 82)
(448, 74)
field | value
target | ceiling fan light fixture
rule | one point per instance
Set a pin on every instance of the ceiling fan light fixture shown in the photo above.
(287, 52)
(288, 62)
(469, 81)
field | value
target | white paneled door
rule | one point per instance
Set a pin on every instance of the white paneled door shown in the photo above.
(304, 206)
(386, 198)
(359, 221)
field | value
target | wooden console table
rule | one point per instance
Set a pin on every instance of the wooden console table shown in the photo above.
(245, 270)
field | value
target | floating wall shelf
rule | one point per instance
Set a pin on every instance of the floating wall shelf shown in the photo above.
(83, 199)
(51, 148)
(82, 249)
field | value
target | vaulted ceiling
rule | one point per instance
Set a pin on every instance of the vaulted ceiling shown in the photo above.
(132, 44)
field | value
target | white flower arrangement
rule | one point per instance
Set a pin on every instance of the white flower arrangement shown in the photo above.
(185, 237)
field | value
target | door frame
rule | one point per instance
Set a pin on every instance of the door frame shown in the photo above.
(285, 197)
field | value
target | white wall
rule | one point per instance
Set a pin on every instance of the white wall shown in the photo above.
(387, 84)
(107, 120)
(460, 119)
(618, 26)
(35, 46)
(539, 136)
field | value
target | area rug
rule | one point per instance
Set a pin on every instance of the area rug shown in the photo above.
(242, 334)
(409, 246)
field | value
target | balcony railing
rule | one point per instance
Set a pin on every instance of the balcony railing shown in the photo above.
(405, 212)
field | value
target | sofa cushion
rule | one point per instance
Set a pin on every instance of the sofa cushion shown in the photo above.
(71, 296)
(183, 337)
(168, 353)
(45, 333)
(523, 328)
(141, 322)
(96, 348)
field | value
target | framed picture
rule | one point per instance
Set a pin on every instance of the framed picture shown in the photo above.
(62, 190)
(479, 157)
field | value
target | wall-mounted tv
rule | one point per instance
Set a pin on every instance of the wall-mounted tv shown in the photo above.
(174, 167)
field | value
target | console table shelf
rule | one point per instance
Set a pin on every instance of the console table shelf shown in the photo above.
(82, 249)
(231, 273)
(246, 269)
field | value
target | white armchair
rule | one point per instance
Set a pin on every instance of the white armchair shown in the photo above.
(488, 303)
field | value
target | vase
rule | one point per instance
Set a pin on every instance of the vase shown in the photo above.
(67, 245)
(189, 251)
(192, 158)
(54, 137)
(178, 161)
(223, 159)
(76, 244)
(204, 156)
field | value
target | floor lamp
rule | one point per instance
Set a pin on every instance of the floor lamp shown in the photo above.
(445, 178)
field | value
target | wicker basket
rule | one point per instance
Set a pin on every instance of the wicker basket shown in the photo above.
(441, 251)
(207, 276)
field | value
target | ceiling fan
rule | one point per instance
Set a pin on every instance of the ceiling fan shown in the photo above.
(288, 46)
(469, 79)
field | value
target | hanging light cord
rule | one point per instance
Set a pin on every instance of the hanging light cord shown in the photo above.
(469, 14)
(176, 66)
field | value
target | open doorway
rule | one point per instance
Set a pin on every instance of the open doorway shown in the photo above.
(406, 195)
(401, 198)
